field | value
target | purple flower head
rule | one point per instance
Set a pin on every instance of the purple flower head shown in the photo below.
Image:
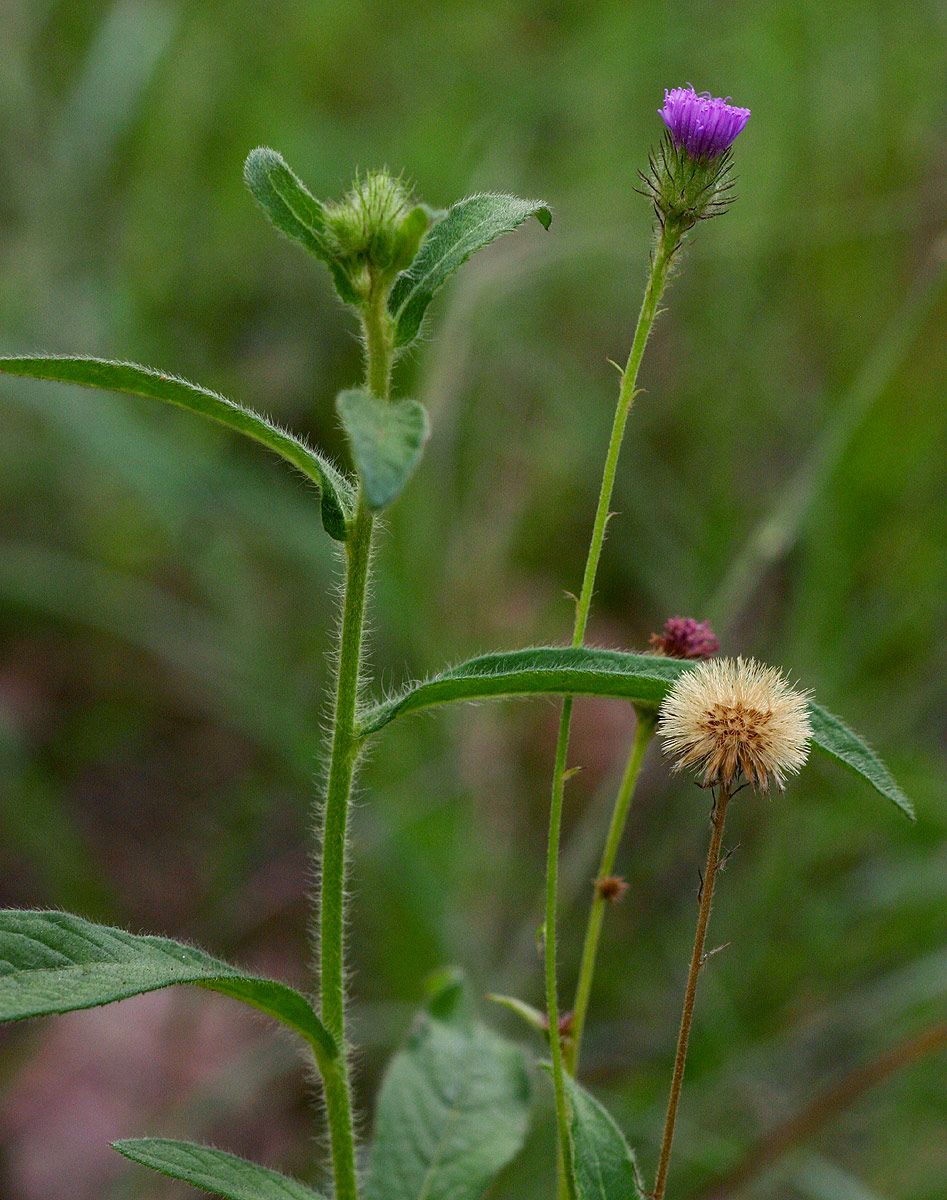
(703, 124)
(683, 637)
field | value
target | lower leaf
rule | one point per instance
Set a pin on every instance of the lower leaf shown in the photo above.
(53, 962)
(453, 1109)
(213, 1170)
(605, 1165)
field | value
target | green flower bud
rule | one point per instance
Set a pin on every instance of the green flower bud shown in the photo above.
(375, 231)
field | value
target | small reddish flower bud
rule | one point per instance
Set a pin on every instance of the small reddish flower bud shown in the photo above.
(683, 637)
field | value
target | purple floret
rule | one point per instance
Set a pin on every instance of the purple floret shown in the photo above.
(703, 124)
(683, 637)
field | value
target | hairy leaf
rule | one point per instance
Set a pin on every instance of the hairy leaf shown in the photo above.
(387, 441)
(213, 1170)
(293, 210)
(539, 670)
(337, 495)
(836, 739)
(643, 679)
(468, 226)
(54, 962)
(605, 1166)
(453, 1109)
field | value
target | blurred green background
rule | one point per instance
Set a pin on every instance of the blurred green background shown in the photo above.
(167, 593)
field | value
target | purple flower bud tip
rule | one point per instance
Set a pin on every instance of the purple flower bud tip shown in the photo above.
(683, 637)
(703, 124)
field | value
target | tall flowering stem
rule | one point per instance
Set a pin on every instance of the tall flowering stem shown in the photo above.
(717, 818)
(344, 755)
(667, 242)
(688, 182)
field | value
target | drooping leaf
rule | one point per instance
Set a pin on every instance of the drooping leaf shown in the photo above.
(293, 210)
(337, 495)
(836, 739)
(212, 1170)
(453, 1108)
(54, 962)
(387, 441)
(468, 226)
(605, 1165)
(580, 671)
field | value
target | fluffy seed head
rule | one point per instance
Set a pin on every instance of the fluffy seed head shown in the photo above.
(730, 715)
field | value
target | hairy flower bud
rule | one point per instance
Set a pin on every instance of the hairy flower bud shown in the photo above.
(375, 231)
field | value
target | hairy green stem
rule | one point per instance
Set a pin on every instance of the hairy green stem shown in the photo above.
(345, 750)
(718, 816)
(643, 734)
(667, 243)
(567, 1184)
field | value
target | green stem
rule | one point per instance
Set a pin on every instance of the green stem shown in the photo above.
(567, 1184)
(667, 242)
(345, 750)
(690, 993)
(643, 734)
(334, 854)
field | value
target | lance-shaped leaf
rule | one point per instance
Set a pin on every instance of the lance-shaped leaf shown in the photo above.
(605, 1166)
(387, 441)
(293, 210)
(453, 1109)
(54, 962)
(469, 225)
(285, 199)
(337, 496)
(834, 737)
(213, 1170)
(539, 670)
(580, 671)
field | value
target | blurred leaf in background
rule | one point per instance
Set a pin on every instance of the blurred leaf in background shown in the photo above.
(165, 591)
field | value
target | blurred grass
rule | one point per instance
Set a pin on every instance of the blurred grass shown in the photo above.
(166, 594)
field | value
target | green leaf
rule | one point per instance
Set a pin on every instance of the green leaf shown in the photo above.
(579, 671)
(526, 1012)
(541, 670)
(387, 441)
(53, 962)
(836, 739)
(469, 225)
(605, 1165)
(213, 1170)
(338, 501)
(285, 199)
(452, 1111)
(294, 211)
